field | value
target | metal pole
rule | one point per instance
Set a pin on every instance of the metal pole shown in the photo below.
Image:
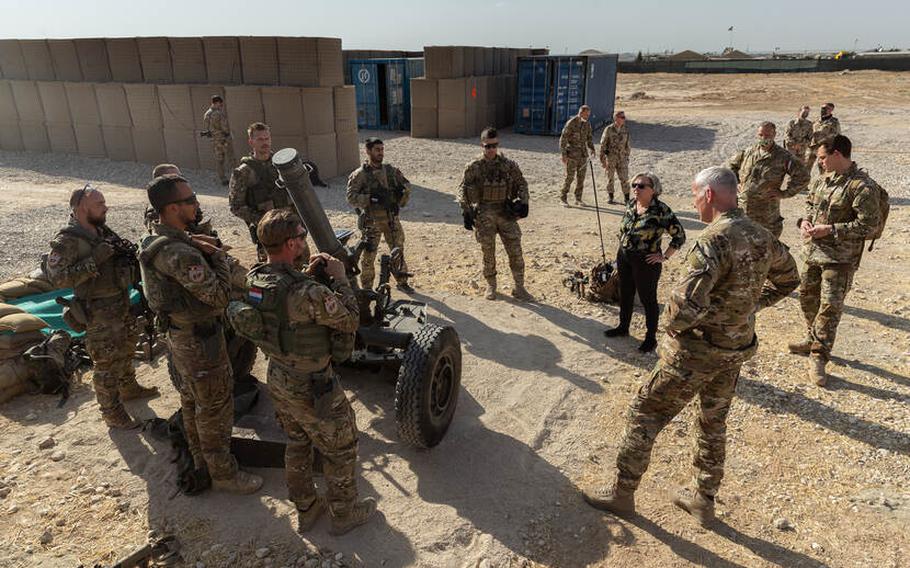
(603, 250)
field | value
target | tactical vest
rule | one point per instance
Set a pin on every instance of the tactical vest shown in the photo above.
(263, 319)
(386, 195)
(115, 275)
(166, 297)
(264, 195)
(495, 186)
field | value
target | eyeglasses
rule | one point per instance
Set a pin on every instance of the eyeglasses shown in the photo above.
(301, 236)
(491, 145)
(191, 200)
(641, 185)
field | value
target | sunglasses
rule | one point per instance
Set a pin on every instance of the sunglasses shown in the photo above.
(641, 185)
(191, 200)
(299, 236)
(491, 145)
(81, 194)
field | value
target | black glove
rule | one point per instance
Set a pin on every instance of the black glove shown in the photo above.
(520, 209)
(468, 221)
(206, 134)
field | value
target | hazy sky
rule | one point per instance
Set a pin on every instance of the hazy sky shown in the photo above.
(563, 25)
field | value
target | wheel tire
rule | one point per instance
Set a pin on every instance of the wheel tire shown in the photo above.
(429, 379)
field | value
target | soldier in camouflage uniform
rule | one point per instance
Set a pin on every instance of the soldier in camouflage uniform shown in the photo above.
(188, 282)
(736, 267)
(841, 211)
(574, 143)
(304, 323)
(215, 126)
(761, 170)
(378, 191)
(615, 148)
(798, 134)
(493, 195)
(89, 257)
(252, 189)
(823, 130)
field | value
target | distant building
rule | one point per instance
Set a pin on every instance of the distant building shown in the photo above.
(592, 52)
(687, 55)
(730, 53)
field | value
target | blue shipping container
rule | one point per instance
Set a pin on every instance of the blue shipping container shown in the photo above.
(551, 88)
(384, 91)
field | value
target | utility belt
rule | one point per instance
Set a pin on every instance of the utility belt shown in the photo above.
(321, 388)
(208, 333)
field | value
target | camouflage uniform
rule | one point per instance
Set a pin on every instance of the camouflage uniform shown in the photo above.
(823, 130)
(797, 137)
(850, 203)
(216, 122)
(615, 148)
(378, 194)
(101, 281)
(485, 188)
(316, 326)
(252, 192)
(735, 268)
(188, 290)
(574, 142)
(761, 174)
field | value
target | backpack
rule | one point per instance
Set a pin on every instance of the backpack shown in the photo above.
(884, 207)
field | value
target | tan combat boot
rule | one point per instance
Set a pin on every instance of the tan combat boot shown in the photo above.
(701, 507)
(243, 483)
(800, 347)
(613, 499)
(491, 289)
(120, 420)
(817, 372)
(519, 292)
(359, 514)
(306, 519)
(134, 391)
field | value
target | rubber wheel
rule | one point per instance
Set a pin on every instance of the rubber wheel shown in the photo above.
(429, 379)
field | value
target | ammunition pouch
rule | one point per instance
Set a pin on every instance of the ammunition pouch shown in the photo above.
(492, 192)
(74, 314)
(210, 336)
(323, 389)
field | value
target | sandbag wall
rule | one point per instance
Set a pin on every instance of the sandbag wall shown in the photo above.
(464, 90)
(142, 99)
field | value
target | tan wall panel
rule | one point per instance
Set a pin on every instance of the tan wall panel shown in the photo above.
(155, 55)
(222, 60)
(123, 58)
(53, 100)
(34, 136)
(299, 143)
(12, 64)
(283, 109)
(38, 61)
(188, 59)
(11, 136)
(318, 110)
(89, 141)
(424, 122)
(145, 110)
(8, 112)
(83, 104)
(180, 148)
(451, 94)
(298, 61)
(66, 61)
(347, 151)
(93, 62)
(112, 105)
(259, 57)
(176, 107)
(452, 123)
(331, 73)
(118, 140)
(244, 104)
(321, 149)
(345, 109)
(62, 138)
(28, 101)
(149, 145)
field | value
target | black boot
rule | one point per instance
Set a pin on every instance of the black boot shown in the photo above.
(648, 344)
(617, 332)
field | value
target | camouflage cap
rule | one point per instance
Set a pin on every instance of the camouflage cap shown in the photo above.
(655, 181)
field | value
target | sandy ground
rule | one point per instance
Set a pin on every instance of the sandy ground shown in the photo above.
(815, 477)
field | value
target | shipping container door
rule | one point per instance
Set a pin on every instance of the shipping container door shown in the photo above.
(533, 96)
(399, 111)
(600, 89)
(366, 77)
(568, 90)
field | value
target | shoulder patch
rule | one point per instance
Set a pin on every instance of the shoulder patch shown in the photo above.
(697, 259)
(331, 304)
(196, 273)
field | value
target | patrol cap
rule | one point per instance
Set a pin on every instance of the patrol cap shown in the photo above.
(163, 190)
(371, 141)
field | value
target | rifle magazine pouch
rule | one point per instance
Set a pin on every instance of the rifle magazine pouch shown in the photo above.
(323, 388)
(211, 340)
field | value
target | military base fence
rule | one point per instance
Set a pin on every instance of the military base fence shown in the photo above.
(882, 62)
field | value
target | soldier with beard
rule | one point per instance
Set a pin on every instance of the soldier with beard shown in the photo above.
(85, 256)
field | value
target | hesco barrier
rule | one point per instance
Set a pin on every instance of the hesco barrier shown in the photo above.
(882, 62)
(152, 123)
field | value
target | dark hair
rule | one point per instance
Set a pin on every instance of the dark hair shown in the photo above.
(256, 127)
(839, 143)
(488, 133)
(276, 227)
(372, 141)
(163, 190)
(830, 105)
(217, 99)
(162, 169)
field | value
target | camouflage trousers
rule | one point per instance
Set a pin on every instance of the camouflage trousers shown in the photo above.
(618, 167)
(489, 222)
(576, 170)
(334, 434)
(668, 390)
(822, 291)
(223, 153)
(206, 395)
(379, 225)
(110, 339)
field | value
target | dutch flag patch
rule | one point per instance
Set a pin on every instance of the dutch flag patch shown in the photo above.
(255, 295)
